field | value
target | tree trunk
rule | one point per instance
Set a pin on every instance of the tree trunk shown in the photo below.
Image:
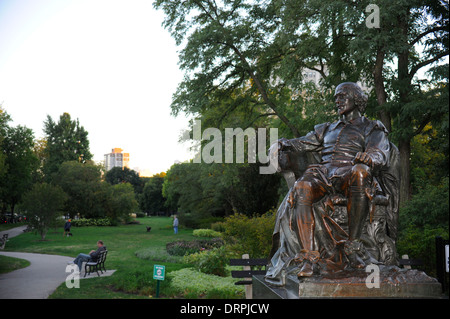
(404, 89)
(405, 187)
(380, 90)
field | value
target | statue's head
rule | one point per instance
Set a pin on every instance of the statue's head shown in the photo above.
(353, 95)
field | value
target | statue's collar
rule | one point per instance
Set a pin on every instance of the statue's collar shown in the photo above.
(356, 121)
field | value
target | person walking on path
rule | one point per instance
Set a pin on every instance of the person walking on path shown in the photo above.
(175, 224)
(67, 227)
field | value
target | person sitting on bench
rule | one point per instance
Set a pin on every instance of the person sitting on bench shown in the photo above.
(92, 256)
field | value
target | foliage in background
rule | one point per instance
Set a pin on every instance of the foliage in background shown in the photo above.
(421, 220)
(202, 191)
(90, 197)
(118, 175)
(151, 199)
(82, 182)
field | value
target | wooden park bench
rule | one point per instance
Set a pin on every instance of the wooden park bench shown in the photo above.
(96, 266)
(407, 263)
(248, 272)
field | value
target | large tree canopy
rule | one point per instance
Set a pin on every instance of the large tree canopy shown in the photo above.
(245, 60)
(66, 141)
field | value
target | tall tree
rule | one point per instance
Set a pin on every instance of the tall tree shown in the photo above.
(255, 54)
(82, 183)
(66, 141)
(117, 175)
(228, 48)
(20, 163)
(152, 200)
(4, 119)
(415, 107)
(43, 205)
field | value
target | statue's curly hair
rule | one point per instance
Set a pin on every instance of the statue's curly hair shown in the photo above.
(356, 93)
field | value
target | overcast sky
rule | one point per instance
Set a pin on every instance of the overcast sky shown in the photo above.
(108, 63)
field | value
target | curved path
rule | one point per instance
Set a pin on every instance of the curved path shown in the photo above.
(36, 281)
(40, 279)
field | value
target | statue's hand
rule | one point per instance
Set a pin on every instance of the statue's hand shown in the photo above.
(363, 157)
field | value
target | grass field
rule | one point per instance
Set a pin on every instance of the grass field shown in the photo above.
(8, 264)
(133, 276)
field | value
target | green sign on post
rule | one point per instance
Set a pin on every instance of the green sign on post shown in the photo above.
(158, 274)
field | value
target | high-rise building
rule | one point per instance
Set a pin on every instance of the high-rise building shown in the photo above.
(117, 159)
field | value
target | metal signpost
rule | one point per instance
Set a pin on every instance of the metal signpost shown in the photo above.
(158, 273)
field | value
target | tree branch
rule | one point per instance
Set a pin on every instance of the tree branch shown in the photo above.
(426, 62)
(424, 123)
(420, 36)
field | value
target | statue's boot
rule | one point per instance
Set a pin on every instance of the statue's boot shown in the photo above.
(305, 229)
(358, 209)
(306, 270)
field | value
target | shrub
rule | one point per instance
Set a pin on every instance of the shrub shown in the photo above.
(82, 222)
(420, 244)
(195, 284)
(140, 214)
(250, 235)
(206, 233)
(212, 261)
(182, 247)
(218, 227)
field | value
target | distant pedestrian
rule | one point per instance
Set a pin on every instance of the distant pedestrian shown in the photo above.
(175, 224)
(67, 227)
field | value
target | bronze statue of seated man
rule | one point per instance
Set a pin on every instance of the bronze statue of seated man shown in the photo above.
(350, 153)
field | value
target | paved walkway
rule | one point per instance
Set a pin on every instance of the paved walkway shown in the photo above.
(38, 280)
(13, 232)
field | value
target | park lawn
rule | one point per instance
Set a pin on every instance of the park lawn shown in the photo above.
(8, 264)
(132, 273)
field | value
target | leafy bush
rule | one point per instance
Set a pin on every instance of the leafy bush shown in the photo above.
(423, 218)
(194, 284)
(429, 206)
(212, 261)
(182, 247)
(421, 244)
(206, 233)
(140, 214)
(218, 227)
(82, 222)
(250, 235)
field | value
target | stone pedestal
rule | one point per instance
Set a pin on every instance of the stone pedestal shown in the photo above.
(393, 283)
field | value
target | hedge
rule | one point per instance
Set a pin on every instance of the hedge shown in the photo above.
(205, 233)
(91, 222)
(195, 284)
